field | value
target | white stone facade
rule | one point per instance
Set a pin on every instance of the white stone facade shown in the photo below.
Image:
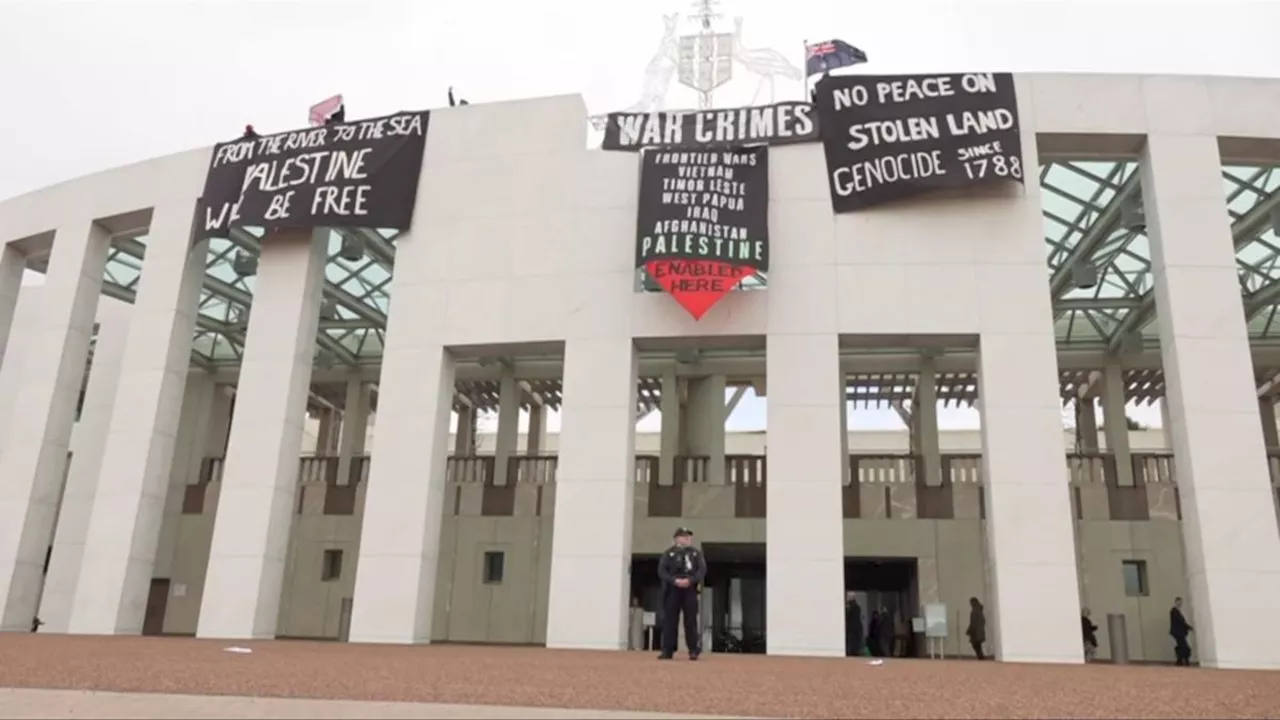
(523, 239)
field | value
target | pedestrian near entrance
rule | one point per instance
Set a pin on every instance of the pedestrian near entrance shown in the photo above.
(1089, 632)
(977, 631)
(681, 570)
(1179, 628)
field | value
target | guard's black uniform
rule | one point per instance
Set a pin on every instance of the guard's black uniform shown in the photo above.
(688, 563)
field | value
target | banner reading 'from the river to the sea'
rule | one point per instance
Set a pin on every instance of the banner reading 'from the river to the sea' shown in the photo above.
(703, 221)
(362, 173)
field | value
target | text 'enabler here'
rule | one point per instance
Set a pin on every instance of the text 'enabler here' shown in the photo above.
(703, 222)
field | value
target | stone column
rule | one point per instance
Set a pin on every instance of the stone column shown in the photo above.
(672, 430)
(124, 528)
(465, 437)
(1030, 540)
(1229, 527)
(508, 425)
(34, 463)
(1086, 423)
(260, 480)
(1116, 423)
(924, 415)
(355, 427)
(82, 480)
(595, 496)
(804, 524)
(536, 436)
(1267, 413)
(12, 265)
(704, 424)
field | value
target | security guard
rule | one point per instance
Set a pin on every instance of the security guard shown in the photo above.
(682, 569)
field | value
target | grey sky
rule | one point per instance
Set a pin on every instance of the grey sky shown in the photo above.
(88, 85)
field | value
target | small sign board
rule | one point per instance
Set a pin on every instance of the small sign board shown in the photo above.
(935, 620)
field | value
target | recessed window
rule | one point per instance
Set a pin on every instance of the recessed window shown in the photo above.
(332, 569)
(494, 565)
(1135, 578)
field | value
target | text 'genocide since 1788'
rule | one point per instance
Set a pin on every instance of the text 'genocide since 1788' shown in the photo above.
(896, 136)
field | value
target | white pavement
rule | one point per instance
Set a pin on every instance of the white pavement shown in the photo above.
(27, 703)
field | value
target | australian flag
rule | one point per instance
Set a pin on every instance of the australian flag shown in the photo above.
(827, 56)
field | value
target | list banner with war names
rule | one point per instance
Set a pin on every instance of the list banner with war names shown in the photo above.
(703, 221)
(362, 173)
(890, 137)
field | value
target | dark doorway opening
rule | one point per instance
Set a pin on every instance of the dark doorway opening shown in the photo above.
(733, 596)
(157, 603)
(885, 590)
(736, 579)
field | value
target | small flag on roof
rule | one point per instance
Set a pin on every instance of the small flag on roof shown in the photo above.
(829, 55)
(321, 111)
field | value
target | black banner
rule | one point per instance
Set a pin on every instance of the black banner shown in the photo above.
(703, 221)
(893, 136)
(779, 124)
(362, 173)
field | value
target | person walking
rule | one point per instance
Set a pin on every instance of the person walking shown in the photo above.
(1179, 628)
(977, 630)
(853, 629)
(681, 569)
(1089, 632)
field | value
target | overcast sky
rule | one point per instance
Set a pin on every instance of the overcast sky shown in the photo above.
(88, 85)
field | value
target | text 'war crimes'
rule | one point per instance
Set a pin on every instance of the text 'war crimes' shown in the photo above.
(704, 186)
(741, 126)
(920, 128)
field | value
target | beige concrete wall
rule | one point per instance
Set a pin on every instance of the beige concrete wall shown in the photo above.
(950, 554)
(753, 442)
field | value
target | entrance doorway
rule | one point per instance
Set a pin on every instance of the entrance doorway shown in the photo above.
(732, 601)
(885, 589)
(736, 581)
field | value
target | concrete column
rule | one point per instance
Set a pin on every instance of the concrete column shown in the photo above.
(1232, 544)
(1116, 423)
(1166, 422)
(672, 431)
(400, 537)
(1086, 424)
(355, 426)
(595, 494)
(128, 507)
(326, 431)
(465, 437)
(508, 425)
(198, 403)
(82, 479)
(34, 461)
(224, 403)
(1267, 413)
(12, 265)
(843, 395)
(924, 415)
(536, 436)
(260, 480)
(805, 525)
(704, 424)
(1029, 534)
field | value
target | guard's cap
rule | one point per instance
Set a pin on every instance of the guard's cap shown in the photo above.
(683, 531)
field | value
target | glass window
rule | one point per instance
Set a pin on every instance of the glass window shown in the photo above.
(494, 562)
(332, 569)
(1135, 577)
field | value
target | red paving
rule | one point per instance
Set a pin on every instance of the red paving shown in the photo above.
(744, 685)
